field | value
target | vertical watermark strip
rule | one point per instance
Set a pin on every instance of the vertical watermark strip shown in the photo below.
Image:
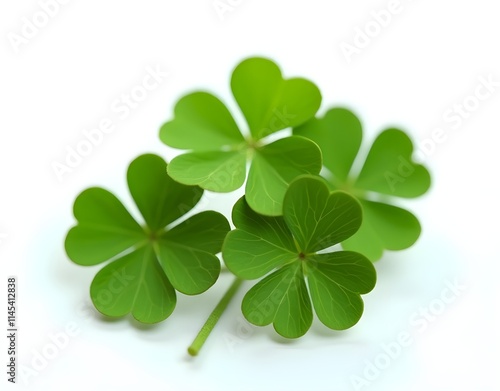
(12, 329)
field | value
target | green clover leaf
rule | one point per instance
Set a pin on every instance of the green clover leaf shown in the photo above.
(147, 264)
(285, 250)
(387, 171)
(217, 150)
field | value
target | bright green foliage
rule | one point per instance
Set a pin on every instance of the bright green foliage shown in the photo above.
(217, 150)
(286, 223)
(285, 250)
(147, 263)
(388, 170)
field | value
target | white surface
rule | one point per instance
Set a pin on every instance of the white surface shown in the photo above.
(66, 78)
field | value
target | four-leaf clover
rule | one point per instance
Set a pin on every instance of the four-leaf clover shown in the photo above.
(286, 223)
(218, 151)
(147, 263)
(388, 171)
(287, 250)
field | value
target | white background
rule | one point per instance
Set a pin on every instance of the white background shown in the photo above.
(429, 57)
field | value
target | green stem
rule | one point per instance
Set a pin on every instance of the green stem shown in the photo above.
(214, 317)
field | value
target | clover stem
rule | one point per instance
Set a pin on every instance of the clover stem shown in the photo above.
(214, 317)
